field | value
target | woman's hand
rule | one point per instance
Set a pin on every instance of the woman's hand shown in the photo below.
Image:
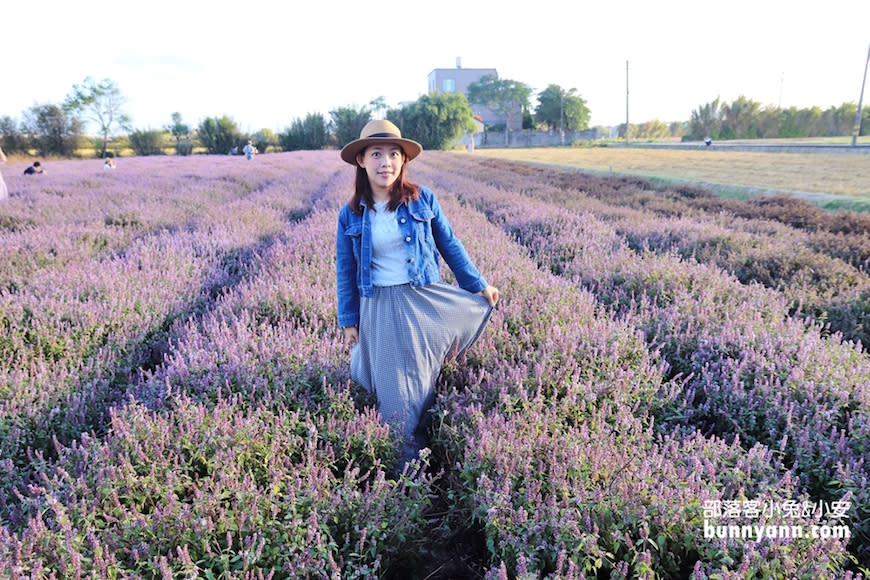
(351, 335)
(491, 294)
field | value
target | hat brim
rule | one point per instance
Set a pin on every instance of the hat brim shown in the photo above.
(350, 151)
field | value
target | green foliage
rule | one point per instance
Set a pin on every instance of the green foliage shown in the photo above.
(219, 134)
(347, 122)
(101, 103)
(263, 139)
(705, 122)
(147, 142)
(651, 130)
(560, 108)
(181, 132)
(436, 120)
(113, 148)
(748, 119)
(740, 118)
(52, 130)
(505, 97)
(528, 119)
(309, 133)
(184, 147)
(12, 139)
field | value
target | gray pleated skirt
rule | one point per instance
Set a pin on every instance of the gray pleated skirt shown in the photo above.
(405, 334)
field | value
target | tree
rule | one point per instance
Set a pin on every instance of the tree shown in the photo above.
(181, 132)
(379, 106)
(740, 119)
(436, 120)
(12, 139)
(654, 130)
(504, 97)
(705, 122)
(147, 142)
(263, 139)
(347, 123)
(293, 137)
(100, 103)
(219, 134)
(558, 108)
(309, 133)
(52, 130)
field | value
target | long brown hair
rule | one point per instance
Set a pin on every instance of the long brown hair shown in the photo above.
(402, 190)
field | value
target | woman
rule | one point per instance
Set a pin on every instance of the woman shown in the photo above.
(4, 193)
(398, 316)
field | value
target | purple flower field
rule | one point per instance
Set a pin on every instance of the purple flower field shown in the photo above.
(175, 398)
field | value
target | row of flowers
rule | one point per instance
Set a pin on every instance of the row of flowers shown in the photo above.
(613, 396)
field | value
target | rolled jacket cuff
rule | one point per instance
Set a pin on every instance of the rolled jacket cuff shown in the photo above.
(345, 321)
(478, 286)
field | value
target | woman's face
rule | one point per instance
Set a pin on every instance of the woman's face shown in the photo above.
(383, 164)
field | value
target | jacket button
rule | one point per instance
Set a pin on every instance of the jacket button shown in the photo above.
(407, 238)
(411, 260)
(402, 220)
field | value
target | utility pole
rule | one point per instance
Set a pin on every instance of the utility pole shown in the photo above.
(781, 81)
(562, 115)
(626, 102)
(857, 128)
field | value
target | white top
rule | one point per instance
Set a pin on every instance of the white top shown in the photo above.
(389, 256)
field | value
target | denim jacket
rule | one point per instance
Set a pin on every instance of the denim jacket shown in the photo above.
(427, 235)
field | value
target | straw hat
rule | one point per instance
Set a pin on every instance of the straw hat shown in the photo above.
(379, 132)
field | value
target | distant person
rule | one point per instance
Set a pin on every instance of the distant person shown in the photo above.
(249, 150)
(108, 164)
(34, 169)
(234, 150)
(708, 141)
(4, 193)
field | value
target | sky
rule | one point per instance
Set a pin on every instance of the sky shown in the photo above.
(266, 63)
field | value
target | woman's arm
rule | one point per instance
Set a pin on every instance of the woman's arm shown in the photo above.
(345, 275)
(453, 251)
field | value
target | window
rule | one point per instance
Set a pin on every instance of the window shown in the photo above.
(448, 85)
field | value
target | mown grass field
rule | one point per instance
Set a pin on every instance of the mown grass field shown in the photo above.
(830, 180)
(175, 399)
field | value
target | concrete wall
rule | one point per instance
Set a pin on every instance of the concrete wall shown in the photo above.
(529, 138)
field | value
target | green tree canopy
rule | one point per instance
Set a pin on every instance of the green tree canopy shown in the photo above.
(219, 135)
(748, 119)
(436, 120)
(52, 130)
(347, 122)
(379, 107)
(181, 131)
(309, 133)
(504, 97)
(740, 119)
(147, 142)
(101, 103)
(705, 122)
(560, 108)
(264, 138)
(12, 138)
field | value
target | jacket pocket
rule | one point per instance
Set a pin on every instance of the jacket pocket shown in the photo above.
(354, 232)
(422, 214)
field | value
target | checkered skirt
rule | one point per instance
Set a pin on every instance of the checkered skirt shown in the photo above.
(405, 334)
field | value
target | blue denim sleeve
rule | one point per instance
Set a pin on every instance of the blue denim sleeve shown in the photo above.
(451, 249)
(345, 274)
